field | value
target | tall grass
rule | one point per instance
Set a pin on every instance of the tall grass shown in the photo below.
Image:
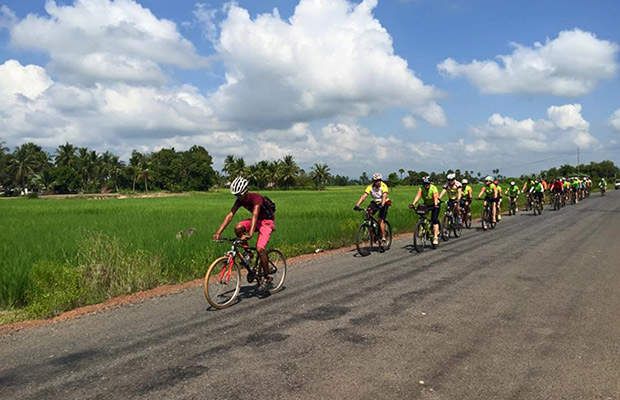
(94, 249)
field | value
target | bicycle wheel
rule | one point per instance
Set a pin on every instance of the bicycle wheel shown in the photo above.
(277, 269)
(456, 229)
(467, 220)
(363, 239)
(540, 208)
(388, 236)
(419, 237)
(445, 227)
(484, 219)
(222, 283)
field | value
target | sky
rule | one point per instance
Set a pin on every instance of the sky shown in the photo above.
(373, 85)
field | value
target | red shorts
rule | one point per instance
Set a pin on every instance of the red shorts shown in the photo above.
(264, 228)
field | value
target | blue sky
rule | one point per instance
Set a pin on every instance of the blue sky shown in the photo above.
(361, 86)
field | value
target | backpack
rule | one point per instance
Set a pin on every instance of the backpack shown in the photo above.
(269, 206)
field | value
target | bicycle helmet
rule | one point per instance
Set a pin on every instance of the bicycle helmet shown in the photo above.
(451, 177)
(512, 183)
(464, 181)
(376, 176)
(488, 179)
(427, 180)
(239, 186)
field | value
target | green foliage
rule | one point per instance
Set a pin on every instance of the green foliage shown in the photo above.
(54, 287)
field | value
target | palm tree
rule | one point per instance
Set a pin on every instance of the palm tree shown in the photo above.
(84, 166)
(272, 173)
(27, 160)
(401, 172)
(3, 150)
(288, 171)
(320, 174)
(65, 155)
(229, 165)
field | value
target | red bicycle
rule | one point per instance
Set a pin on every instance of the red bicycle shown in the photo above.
(223, 278)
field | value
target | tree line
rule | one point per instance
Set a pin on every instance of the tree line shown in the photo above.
(72, 169)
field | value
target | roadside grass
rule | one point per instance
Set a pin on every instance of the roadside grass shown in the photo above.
(58, 254)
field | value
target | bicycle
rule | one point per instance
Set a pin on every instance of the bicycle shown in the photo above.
(528, 202)
(512, 206)
(537, 207)
(223, 278)
(369, 233)
(603, 190)
(450, 223)
(423, 231)
(557, 202)
(466, 214)
(486, 218)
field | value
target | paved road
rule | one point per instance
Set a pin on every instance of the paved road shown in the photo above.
(528, 311)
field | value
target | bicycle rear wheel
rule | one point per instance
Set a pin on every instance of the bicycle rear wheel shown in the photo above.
(467, 220)
(277, 270)
(419, 237)
(222, 283)
(363, 239)
(457, 228)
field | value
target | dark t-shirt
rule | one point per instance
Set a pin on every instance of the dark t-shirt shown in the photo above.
(250, 201)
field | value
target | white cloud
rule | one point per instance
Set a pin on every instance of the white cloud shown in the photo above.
(563, 129)
(570, 65)
(95, 41)
(409, 122)
(15, 80)
(7, 17)
(331, 58)
(614, 120)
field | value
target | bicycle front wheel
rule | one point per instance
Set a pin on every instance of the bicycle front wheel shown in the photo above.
(484, 219)
(363, 239)
(445, 228)
(388, 236)
(277, 269)
(419, 237)
(222, 282)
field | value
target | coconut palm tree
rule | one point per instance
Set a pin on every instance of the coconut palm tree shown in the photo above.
(320, 174)
(229, 166)
(65, 155)
(288, 171)
(27, 160)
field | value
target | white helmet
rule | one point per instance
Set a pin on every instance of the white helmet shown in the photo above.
(464, 181)
(451, 177)
(512, 183)
(488, 178)
(239, 186)
(376, 176)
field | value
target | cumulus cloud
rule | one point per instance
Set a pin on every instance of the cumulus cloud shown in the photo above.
(614, 120)
(331, 58)
(570, 65)
(563, 129)
(409, 122)
(95, 41)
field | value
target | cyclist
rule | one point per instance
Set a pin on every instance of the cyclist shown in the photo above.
(538, 191)
(500, 191)
(430, 195)
(378, 190)
(455, 192)
(556, 189)
(603, 184)
(262, 221)
(513, 192)
(525, 189)
(490, 191)
(565, 188)
(466, 195)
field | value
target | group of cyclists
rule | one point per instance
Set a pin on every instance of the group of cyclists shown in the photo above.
(460, 195)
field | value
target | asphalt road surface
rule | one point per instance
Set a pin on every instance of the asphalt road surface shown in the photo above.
(530, 310)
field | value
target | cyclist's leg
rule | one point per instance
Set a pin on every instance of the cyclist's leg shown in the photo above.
(243, 227)
(265, 228)
(382, 217)
(435, 222)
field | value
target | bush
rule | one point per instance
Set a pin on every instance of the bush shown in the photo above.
(54, 288)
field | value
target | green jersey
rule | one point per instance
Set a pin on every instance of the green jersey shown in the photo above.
(490, 190)
(513, 190)
(428, 194)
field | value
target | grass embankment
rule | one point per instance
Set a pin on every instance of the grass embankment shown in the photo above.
(59, 254)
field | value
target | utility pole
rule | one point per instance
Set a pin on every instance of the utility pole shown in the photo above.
(577, 160)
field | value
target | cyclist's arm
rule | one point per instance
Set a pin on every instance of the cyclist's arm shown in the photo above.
(417, 197)
(459, 194)
(255, 212)
(224, 224)
(436, 199)
(484, 189)
(495, 193)
(361, 200)
(384, 199)
(443, 191)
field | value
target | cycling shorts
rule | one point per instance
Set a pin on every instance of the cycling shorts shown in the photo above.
(383, 210)
(264, 227)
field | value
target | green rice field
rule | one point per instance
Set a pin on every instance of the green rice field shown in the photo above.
(57, 254)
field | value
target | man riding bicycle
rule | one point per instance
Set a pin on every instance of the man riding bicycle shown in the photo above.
(378, 190)
(513, 193)
(430, 195)
(262, 220)
(603, 184)
(490, 195)
(466, 195)
(455, 192)
(538, 191)
(500, 193)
